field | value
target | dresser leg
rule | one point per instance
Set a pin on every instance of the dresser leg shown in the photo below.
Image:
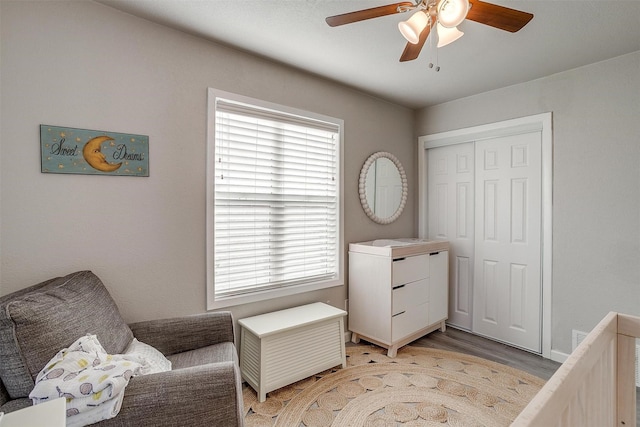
(443, 326)
(393, 351)
(355, 338)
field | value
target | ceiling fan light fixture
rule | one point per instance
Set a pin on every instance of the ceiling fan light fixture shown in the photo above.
(447, 35)
(412, 27)
(452, 12)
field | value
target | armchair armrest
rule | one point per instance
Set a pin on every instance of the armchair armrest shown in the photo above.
(205, 395)
(171, 336)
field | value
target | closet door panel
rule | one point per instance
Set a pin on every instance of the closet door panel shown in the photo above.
(450, 181)
(507, 287)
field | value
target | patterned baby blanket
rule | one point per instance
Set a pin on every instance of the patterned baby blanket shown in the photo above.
(91, 380)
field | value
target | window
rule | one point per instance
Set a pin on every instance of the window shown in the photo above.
(274, 201)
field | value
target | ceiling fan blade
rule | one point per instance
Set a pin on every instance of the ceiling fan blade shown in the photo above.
(496, 16)
(411, 51)
(361, 15)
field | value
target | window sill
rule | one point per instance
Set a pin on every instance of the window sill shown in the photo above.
(214, 304)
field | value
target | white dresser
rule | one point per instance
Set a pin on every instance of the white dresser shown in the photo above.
(398, 290)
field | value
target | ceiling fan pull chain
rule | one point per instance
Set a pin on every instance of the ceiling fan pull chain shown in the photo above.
(431, 53)
(437, 61)
(431, 25)
(431, 47)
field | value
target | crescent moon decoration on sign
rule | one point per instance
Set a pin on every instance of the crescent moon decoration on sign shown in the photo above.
(93, 155)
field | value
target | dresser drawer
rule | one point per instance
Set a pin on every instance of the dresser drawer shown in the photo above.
(406, 296)
(410, 269)
(407, 322)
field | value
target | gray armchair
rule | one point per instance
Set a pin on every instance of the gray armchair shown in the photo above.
(203, 387)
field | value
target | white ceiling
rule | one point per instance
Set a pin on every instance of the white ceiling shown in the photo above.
(562, 35)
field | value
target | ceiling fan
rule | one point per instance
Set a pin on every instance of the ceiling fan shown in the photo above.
(445, 15)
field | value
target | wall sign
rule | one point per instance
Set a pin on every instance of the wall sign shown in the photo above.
(92, 152)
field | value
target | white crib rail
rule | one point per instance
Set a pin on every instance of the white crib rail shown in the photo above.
(596, 385)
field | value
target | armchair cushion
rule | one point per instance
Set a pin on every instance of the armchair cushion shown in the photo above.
(40, 320)
(216, 353)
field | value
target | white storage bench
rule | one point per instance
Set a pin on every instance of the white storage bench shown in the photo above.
(280, 348)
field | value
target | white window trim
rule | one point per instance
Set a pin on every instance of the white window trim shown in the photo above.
(257, 296)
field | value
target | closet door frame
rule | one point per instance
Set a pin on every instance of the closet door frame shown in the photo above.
(540, 122)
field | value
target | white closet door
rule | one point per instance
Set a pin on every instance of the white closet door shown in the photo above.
(451, 217)
(507, 286)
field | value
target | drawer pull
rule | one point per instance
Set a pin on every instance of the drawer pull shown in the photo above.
(398, 314)
(399, 259)
(398, 287)
(434, 253)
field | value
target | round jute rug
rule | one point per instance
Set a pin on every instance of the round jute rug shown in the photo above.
(419, 387)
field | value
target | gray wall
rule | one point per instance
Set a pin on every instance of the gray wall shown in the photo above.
(85, 65)
(81, 64)
(596, 182)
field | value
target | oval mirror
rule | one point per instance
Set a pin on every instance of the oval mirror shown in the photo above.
(383, 187)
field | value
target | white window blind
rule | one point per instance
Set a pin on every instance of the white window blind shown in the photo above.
(276, 213)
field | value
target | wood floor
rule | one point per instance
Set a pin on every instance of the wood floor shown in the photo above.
(464, 342)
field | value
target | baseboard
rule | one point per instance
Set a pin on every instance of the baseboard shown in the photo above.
(558, 356)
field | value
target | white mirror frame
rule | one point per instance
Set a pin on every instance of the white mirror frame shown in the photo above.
(362, 187)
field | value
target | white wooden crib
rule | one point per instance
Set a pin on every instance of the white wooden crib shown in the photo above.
(596, 385)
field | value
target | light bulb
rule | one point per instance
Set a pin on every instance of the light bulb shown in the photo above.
(452, 12)
(412, 27)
